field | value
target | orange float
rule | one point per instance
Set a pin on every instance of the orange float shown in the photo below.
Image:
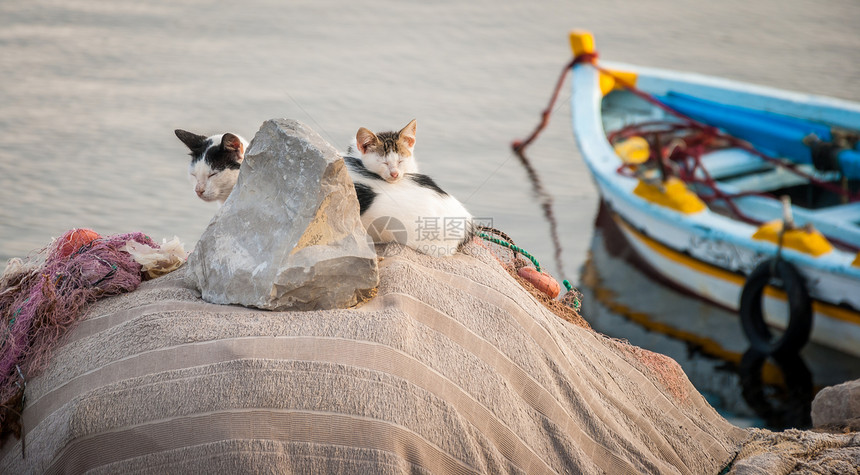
(543, 282)
(73, 239)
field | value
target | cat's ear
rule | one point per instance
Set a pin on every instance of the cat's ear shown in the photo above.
(232, 143)
(364, 139)
(192, 141)
(407, 134)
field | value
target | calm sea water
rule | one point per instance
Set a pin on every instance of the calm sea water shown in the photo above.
(91, 92)
(622, 299)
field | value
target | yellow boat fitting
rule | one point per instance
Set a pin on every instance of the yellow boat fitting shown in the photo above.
(806, 240)
(633, 151)
(582, 43)
(672, 193)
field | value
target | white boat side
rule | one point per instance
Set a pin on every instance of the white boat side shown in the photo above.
(707, 237)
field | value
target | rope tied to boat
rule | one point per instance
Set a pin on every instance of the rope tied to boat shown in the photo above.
(520, 145)
(590, 58)
(711, 133)
(702, 138)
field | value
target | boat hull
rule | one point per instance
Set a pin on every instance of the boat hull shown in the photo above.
(833, 326)
(705, 253)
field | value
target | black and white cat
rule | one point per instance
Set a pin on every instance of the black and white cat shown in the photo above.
(214, 164)
(397, 203)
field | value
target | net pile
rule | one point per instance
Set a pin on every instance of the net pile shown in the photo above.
(452, 368)
(798, 451)
(663, 369)
(566, 307)
(42, 298)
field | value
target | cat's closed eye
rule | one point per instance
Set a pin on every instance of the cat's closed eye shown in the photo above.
(215, 161)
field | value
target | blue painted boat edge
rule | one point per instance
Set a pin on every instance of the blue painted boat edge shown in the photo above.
(602, 162)
(829, 110)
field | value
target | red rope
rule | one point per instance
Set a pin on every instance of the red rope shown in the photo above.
(695, 146)
(591, 58)
(520, 145)
(717, 133)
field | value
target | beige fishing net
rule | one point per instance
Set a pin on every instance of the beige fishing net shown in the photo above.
(453, 367)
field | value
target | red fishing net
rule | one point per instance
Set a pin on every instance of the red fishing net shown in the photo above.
(42, 298)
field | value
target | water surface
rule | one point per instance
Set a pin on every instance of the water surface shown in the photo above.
(622, 298)
(91, 92)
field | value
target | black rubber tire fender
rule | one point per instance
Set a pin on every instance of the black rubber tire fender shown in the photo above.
(782, 406)
(781, 274)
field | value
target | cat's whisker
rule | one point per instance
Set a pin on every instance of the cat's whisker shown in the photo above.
(317, 124)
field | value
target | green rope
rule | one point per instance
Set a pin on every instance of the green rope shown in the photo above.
(18, 311)
(575, 296)
(577, 302)
(12, 321)
(510, 246)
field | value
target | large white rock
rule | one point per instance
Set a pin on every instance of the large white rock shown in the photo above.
(289, 236)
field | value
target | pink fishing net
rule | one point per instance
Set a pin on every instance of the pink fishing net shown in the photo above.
(42, 298)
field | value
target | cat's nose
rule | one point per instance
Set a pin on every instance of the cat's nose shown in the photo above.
(395, 174)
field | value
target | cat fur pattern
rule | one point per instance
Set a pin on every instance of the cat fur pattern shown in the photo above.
(215, 162)
(398, 204)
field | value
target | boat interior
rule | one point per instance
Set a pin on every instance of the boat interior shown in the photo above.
(723, 172)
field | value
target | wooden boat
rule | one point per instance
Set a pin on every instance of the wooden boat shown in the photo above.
(743, 195)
